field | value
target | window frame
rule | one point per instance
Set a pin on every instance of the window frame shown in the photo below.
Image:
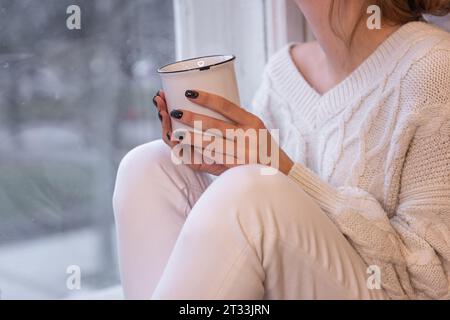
(198, 34)
(277, 23)
(284, 24)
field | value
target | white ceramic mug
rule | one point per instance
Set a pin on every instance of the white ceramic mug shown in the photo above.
(214, 74)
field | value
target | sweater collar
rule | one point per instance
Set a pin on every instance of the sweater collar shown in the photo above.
(307, 104)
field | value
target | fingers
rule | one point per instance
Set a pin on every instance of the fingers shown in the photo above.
(242, 151)
(160, 102)
(154, 100)
(166, 125)
(220, 105)
(204, 157)
(210, 160)
(215, 169)
(167, 130)
(200, 140)
(205, 165)
(207, 123)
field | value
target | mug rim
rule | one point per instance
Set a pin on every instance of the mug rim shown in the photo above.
(231, 57)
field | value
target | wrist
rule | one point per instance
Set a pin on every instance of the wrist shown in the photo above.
(286, 165)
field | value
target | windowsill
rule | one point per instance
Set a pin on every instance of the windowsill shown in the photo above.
(112, 293)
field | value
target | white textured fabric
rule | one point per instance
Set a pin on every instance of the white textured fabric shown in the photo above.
(242, 236)
(374, 152)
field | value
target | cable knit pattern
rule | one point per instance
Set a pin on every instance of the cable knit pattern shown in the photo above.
(374, 152)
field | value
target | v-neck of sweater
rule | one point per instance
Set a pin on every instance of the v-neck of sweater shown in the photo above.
(315, 108)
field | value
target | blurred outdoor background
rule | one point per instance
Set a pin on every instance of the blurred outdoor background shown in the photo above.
(72, 102)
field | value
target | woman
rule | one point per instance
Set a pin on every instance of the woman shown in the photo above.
(360, 207)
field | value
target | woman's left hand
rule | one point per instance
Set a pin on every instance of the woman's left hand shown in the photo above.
(242, 127)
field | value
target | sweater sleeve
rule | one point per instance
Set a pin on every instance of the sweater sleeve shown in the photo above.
(412, 249)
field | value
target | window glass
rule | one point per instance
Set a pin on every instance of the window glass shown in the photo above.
(443, 22)
(76, 85)
(72, 102)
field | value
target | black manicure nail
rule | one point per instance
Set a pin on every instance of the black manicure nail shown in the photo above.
(179, 136)
(159, 116)
(176, 114)
(154, 98)
(191, 94)
(168, 136)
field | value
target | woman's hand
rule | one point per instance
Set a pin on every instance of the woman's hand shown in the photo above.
(159, 101)
(235, 136)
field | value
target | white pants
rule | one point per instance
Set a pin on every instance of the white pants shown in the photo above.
(243, 235)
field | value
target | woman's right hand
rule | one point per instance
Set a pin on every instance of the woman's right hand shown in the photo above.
(159, 100)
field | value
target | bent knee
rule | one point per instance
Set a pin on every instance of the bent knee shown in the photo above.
(251, 178)
(258, 201)
(254, 201)
(138, 167)
(247, 187)
(144, 157)
(244, 184)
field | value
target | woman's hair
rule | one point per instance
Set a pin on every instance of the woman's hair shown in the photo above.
(394, 12)
(404, 11)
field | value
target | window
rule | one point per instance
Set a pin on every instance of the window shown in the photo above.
(250, 29)
(443, 22)
(236, 27)
(73, 102)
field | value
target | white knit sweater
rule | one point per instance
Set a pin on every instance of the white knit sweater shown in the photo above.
(374, 152)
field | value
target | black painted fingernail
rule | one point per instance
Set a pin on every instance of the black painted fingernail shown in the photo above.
(191, 94)
(159, 116)
(168, 136)
(179, 136)
(154, 98)
(176, 114)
